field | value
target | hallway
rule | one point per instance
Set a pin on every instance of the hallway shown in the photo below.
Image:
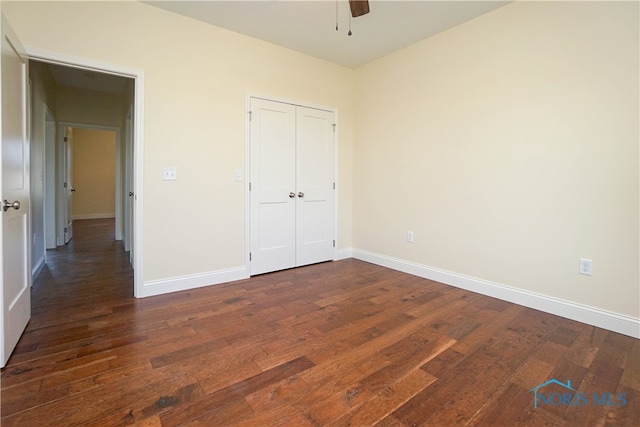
(81, 280)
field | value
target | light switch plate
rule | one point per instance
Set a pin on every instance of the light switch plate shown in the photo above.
(169, 174)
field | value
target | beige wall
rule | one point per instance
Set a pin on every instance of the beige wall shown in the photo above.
(94, 161)
(509, 146)
(196, 80)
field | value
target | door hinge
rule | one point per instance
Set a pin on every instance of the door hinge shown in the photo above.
(334, 128)
(334, 185)
(249, 256)
(249, 115)
(65, 185)
(334, 243)
(66, 139)
(65, 229)
(249, 186)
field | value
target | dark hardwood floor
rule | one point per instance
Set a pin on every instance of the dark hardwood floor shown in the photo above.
(341, 343)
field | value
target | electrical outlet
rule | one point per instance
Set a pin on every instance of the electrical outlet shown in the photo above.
(410, 236)
(586, 267)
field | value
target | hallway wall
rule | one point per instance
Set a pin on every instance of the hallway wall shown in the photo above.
(43, 97)
(94, 173)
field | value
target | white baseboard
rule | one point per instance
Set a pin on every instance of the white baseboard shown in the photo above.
(175, 284)
(593, 316)
(343, 254)
(95, 216)
(38, 266)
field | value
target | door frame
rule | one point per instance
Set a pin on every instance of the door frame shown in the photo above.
(138, 75)
(65, 195)
(126, 183)
(247, 169)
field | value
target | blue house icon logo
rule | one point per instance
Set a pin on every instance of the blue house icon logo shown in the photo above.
(545, 398)
(570, 396)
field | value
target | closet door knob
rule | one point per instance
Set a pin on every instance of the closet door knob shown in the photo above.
(292, 195)
(301, 194)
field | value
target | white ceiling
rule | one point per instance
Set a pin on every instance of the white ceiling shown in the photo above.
(309, 26)
(87, 79)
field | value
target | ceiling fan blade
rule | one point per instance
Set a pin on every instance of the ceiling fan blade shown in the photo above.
(359, 7)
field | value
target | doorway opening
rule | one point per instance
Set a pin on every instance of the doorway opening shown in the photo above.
(90, 172)
(91, 152)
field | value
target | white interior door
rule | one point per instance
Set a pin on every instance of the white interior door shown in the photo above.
(291, 185)
(273, 175)
(68, 184)
(16, 296)
(314, 185)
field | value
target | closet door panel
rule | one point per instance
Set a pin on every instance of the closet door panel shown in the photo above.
(314, 185)
(273, 180)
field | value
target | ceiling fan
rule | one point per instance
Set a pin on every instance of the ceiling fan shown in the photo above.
(359, 7)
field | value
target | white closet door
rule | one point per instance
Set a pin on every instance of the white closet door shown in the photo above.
(292, 190)
(273, 177)
(314, 185)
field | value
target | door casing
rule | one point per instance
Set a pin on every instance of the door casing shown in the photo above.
(138, 75)
(67, 189)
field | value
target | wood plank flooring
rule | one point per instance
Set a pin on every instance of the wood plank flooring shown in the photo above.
(336, 344)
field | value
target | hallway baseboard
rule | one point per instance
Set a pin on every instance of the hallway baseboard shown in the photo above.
(37, 267)
(94, 216)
